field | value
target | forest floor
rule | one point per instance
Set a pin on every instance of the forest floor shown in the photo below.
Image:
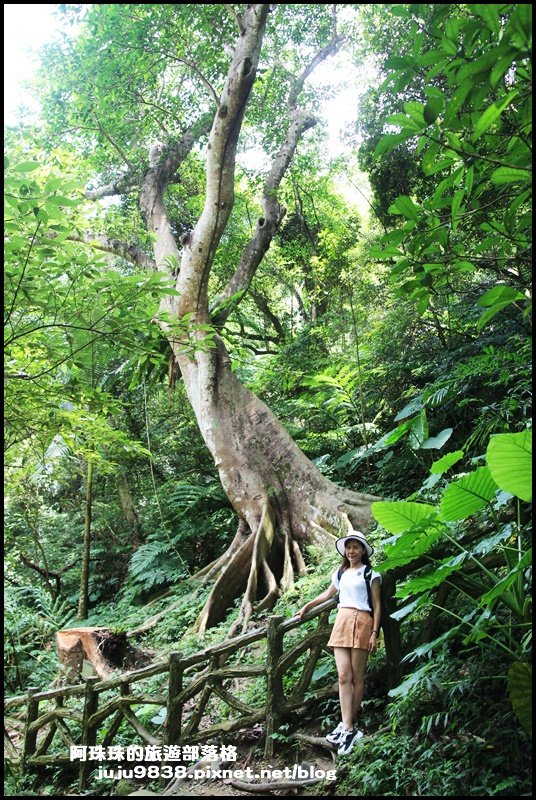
(313, 759)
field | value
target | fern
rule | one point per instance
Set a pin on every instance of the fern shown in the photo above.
(31, 619)
(29, 607)
(153, 565)
(185, 496)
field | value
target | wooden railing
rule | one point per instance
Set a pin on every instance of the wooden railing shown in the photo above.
(93, 713)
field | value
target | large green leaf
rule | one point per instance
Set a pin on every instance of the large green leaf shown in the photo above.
(520, 688)
(429, 580)
(489, 12)
(437, 442)
(433, 109)
(510, 175)
(500, 294)
(414, 405)
(411, 544)
(468, 495)
(418, 432)
(404, 205)
(400, 515)
(443, 464)
(491, 115)
(509, 457)
(504, 584)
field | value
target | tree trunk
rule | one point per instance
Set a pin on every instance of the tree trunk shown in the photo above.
(86, 548)
(129, 509)
(280, 497)
(279, 494)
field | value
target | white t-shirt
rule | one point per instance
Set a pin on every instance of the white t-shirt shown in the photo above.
(353, 589)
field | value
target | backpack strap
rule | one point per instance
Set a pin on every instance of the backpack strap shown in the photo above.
(367, 575)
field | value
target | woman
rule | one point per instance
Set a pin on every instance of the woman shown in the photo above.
(355, 633)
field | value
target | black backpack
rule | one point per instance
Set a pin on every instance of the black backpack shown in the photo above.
(367, 575)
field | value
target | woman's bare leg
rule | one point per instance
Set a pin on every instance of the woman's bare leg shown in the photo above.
(359, 665)
(343, 660)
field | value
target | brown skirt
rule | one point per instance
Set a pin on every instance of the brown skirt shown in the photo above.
(352, 628)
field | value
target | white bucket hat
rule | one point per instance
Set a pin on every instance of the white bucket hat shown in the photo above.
(357, 535)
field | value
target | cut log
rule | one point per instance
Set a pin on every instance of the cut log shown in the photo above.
(98, 651)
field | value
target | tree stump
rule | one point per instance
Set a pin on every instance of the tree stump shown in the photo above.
(91, 651)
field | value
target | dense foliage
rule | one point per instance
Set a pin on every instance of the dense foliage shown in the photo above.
(394, 349)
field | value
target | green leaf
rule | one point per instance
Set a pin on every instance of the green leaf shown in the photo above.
(390, 141)
(58, 200)
(418, 432)
(404, 205)
(399, 516)
(405, 122)
(400, 11)
(464, 266)
(26, 166)
(399, 62)
(415, 111)
(376, 251)
(414, 405)
(491, 115)
(400, 613)
(489, 12)
(509, 580)
(469, 180)
(468, 495)
(429, 580)
(521, 24)
(412, 543)
(410, 683)
(446, 462)
(504, 175)
(490, 313)
(458, 99)
(437, 442)
(509, 457)
(431, 167)
(456, 202)
(433, 109)
(520, 689)
(501, 67)
(500, 293)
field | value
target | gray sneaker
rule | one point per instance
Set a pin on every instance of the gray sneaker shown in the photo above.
(335, 736)
(347, 741)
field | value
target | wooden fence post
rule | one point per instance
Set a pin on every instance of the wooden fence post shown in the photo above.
(274, 681)
(174, 711)
(89, 732)
(30, 737)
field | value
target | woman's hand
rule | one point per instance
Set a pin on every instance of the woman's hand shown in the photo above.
(373, 642)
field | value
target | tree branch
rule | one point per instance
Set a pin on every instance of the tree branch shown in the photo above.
(237, 18)
(262, 304)
(152, 195)
(197, 258)
(129, 252)
(114, 145)
(273, 211)
(326, 51)
(206, 83)
(123, 185)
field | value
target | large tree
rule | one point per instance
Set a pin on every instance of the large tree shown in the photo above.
(189, 73)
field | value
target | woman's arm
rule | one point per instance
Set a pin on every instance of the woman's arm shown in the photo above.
(321, 598)
(377, 611)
